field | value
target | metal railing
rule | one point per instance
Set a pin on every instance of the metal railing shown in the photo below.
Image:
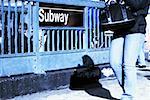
(37, 48)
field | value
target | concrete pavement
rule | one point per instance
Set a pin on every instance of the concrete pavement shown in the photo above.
(107, 89)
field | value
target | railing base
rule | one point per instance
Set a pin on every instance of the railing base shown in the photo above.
(31, 83)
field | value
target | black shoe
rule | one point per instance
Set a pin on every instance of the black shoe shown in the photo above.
(141, 66)
(126, 97)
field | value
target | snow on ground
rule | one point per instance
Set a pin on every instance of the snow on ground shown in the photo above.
(111, 84)
(63, 94)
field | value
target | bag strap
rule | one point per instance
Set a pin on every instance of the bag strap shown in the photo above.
(124, 12)
(108, 15)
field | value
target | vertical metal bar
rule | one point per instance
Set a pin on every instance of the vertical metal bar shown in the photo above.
(67, 38)
(98, 27)
(37, 66)
(102, 38)
(85, 36)
(48, 40)
(42, 44)
(105, 41)
(76, 38)
(90, 26)
(36, 28)
(109, 40)
(29, 25)
(71, 39)
(94, 26)
(53, 38)
(22, 26)
(16, 26)
(2, 12)
(12, 33)
(58, 40)
(12, 24)
(63, 39)
(0, 31)
(8, 27)
(80, 36)
(40, 39)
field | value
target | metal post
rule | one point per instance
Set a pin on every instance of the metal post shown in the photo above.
(37, 68)
(98, 27)
(2, 11)
(8, 27)
(85, 36)
(22, 27)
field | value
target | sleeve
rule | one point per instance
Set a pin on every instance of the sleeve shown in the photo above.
(137, 4)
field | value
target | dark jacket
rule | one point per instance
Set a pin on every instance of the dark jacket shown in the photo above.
(139, 9)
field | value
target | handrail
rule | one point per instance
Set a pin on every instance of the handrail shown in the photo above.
(89, 3)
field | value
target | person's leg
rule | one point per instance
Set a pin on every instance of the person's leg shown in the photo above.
(133, 45)
(116, 55)
(141, 58)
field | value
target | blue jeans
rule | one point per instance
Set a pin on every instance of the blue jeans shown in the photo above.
(124, 52)
(141, 57)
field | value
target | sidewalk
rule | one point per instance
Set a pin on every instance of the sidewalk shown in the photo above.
(110, 85)
(106, 89)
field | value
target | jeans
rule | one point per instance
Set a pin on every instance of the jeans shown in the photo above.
(141, 57)
(124, 52)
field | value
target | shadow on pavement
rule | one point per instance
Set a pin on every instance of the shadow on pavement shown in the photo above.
(86, 77)
(146, 70)
(147, 76)
(95, 89)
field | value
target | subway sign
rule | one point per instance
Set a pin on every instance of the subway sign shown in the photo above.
(58, 16)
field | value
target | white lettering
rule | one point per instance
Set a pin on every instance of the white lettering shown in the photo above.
(41, 15)
(46, 17)
(62, 17)
(53, 17)
(57, 17)
(66, 19)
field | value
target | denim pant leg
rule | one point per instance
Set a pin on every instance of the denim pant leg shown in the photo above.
(116, 54)
(141, 57)
(133, 45)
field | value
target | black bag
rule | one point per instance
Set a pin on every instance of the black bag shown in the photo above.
(84, 75)
(117, 17)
